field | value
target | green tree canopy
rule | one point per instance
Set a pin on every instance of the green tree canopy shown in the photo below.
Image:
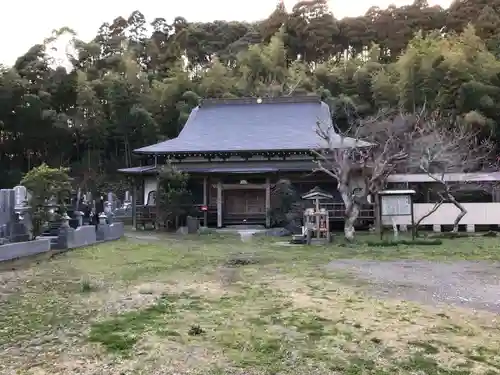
(137, 80)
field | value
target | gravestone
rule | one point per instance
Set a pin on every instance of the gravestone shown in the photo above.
(3, 219)
(15, 222)
(21, 197)
(78, 200)
(3, 215)
(87, 197)
(19, 232)
(22, 226)
(87, 213)
(7, 212)
(78, 215)
(109, 207)
(102, 228)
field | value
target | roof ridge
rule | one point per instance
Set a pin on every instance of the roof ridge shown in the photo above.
(257, 100)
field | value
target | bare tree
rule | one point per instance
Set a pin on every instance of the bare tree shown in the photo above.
(362, 157)
(441, 148)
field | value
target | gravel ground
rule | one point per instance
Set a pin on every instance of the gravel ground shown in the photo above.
(467, 284)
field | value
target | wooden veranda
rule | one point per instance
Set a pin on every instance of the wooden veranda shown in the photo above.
(146, 215)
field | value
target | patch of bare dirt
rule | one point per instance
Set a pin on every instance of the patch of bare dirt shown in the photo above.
(115, 301)
(67, 352)
(13, 281)
(163, 356)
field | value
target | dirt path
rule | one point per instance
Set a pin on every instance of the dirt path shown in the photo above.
(473, 285)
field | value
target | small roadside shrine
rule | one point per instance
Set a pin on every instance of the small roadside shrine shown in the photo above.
(316, 220)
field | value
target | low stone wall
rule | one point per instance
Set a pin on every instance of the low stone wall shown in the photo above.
(116, 231)
(102, 232)
(68, 238)
(82, 236)
(16, 250)
(87, 235)
(110, 232)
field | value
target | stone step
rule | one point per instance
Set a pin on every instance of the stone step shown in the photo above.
(245, 227)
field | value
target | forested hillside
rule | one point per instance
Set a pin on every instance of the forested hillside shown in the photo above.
(137, 80)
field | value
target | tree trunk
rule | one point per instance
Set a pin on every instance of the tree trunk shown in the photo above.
(395, 229)
(352, 209)
(351, 216)
(462, 213)
(128, 158)
(434, 209)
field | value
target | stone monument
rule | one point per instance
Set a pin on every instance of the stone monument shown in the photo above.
(23, 226)
(15, 221)
(7, 213)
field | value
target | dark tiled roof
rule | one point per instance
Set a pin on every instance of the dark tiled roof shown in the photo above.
(287, 123)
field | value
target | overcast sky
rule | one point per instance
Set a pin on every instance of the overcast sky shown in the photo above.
(25, 23)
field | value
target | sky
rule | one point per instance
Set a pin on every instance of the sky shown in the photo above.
(28, 22)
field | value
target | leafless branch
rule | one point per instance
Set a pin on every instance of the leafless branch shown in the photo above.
(442, 148)
(362, 157)
(431, 211)
(293, 88)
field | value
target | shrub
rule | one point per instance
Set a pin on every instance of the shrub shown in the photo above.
(434, 242)
(44, 184)
(450, 235)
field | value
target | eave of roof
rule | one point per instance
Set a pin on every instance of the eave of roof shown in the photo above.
(239, 167)
(450, 177)
(345, 142)
(148, 169)
(242, 170)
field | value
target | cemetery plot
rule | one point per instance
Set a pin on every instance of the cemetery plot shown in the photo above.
(61, 232)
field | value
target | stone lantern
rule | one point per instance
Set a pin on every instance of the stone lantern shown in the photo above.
(102, 218)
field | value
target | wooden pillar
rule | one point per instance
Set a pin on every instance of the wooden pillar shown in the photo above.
(157, 198)
(495, 192)
(318, 220)
(377, 219)
(134, 203)
(328, 234)
(268, 202)
(205, 202)
(219, 204)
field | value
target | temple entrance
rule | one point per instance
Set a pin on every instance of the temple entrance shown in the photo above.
(245, 205)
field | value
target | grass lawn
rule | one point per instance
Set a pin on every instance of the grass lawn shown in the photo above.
(214, 305)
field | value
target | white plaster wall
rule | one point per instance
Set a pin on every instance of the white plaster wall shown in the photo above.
(149, 186)
(477, 214)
